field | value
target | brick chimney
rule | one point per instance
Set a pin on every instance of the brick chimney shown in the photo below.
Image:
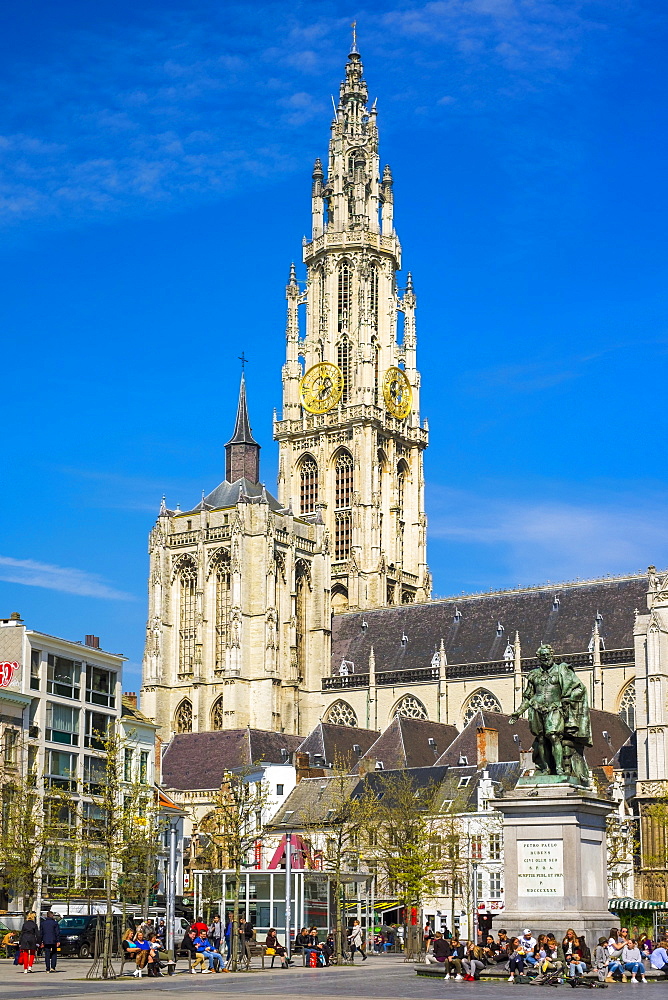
(130, 699)
(487, 745)
(303, 767)
(94, 642)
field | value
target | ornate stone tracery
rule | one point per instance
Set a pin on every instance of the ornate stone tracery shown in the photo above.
(410, 707)
(340, 714)
(183, 717)
(480, 701)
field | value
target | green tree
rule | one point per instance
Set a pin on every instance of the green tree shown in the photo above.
(229, 831)
(35, 819)
(410, 843)
(334, 825)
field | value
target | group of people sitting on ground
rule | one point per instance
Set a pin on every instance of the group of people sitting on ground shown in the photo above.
(614, 957)
(620, 955)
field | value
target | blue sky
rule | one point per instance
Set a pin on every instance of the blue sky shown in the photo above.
(154, 186)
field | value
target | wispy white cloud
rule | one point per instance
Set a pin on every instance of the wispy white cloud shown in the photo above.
(196, 103)
(67, 579)
(544, 537)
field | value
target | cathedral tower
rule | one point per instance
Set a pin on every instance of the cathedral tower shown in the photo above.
(350, 438)
(238, 619)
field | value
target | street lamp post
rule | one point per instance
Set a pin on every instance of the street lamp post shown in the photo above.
(474, 895)
(288, 891)
(171, 888)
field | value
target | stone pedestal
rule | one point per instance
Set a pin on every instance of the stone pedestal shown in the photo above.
(555, 859)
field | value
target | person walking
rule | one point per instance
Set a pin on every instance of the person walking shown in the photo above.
(50, 934)
(216, 932)
(228, 937)
(356, 941)
(29, 941)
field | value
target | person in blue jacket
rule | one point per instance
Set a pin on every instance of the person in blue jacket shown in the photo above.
(50, 934)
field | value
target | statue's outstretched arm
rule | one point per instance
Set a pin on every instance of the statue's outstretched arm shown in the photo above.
(523, 707)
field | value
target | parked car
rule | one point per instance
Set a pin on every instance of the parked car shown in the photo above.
(78, 934)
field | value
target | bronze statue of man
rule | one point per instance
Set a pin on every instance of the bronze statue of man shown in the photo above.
(558, 712)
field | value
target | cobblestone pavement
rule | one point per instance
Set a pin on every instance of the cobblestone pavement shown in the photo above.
(380, 978)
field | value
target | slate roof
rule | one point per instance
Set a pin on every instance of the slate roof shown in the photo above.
(199, 760)
(310, 801)
(602, 751)
(472, 638)
(335, 743)
(227, 495)
(405, 743)
(466, 744)
(132, 712)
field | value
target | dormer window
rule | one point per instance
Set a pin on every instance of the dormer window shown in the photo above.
(499, 628)
(555, 603)
(457, 616)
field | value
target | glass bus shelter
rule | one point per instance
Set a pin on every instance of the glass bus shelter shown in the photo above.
(262, 898)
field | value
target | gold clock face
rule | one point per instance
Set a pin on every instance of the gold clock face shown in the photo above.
(321, 387)
(397, 393)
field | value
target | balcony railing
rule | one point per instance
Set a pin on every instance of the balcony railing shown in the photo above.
(487, 668)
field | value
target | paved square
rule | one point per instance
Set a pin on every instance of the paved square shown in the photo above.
(380, 978)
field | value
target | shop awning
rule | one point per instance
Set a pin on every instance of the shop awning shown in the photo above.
(627, 903)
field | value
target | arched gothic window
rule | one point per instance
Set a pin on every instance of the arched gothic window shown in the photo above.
(627, 705)
(339, 599)
(183, 717)
(373, 296)
(343, 361)
(319, 300)
(402, 476)
(344, 480)
(340, 714)
(344, 295)
(301, 605)
(217, 714)
(187, 616)
(480, 701)
(342, 503)
(375, 347)
(410, 707)
(223, 609)
(308, 475)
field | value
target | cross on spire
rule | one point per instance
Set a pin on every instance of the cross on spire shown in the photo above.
(354, 27)
(244, 361)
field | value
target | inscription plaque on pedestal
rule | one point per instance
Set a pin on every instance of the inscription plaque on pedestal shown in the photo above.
(540, 867)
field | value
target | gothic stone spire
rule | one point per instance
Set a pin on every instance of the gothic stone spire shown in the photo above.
(242, 452)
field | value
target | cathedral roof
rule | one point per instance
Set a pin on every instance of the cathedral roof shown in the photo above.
(337, 743)
(228, 495)
(405, 743)
(603, 752)
(478, 628)
(199, 760)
